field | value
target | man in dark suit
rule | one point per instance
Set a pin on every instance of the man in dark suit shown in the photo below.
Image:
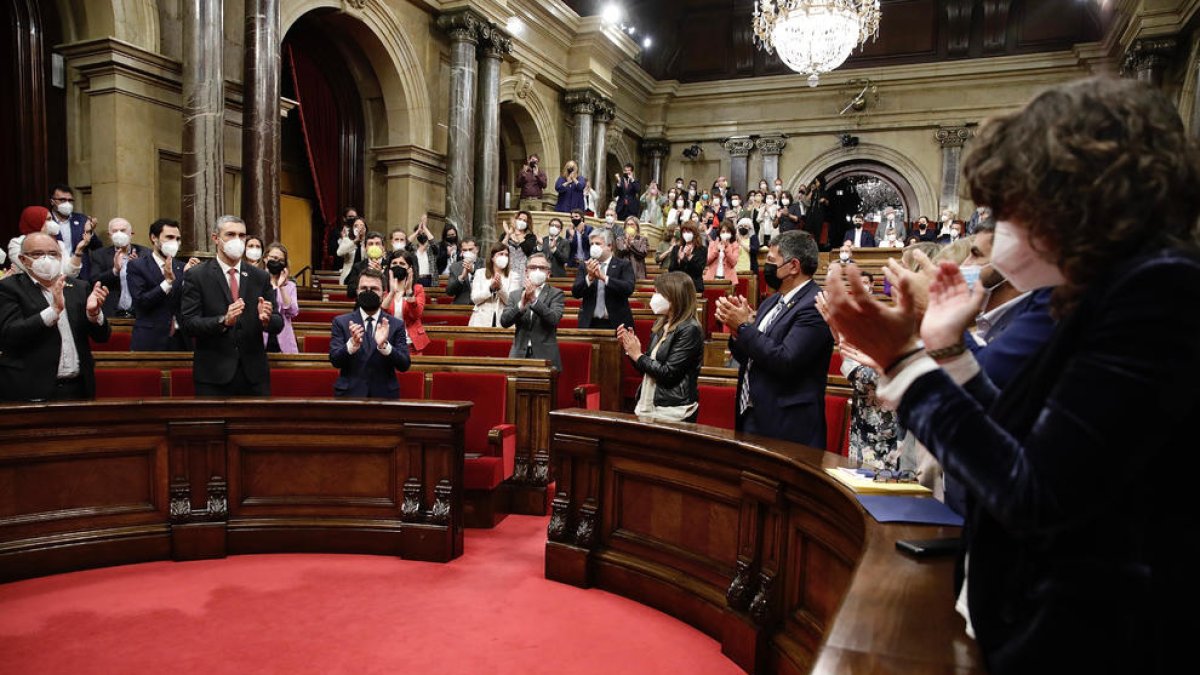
(45, 322)
(156, 284)
(627, 191)
(226, 309)
(580, 236)
(859, 236)
(110, 266)
(368, 346)
(783, 353)
(376, 258)
(73, 227)
(557, 248)
(535, 310)
(605, 284)
(458, 284)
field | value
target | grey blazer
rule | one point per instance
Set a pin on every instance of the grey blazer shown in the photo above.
(537, 325)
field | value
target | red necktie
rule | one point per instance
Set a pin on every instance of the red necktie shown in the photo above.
(233, 283)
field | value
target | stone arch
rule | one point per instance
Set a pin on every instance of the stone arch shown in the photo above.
(389, 49)
(132, 21)
(877, 160)
(537, 123)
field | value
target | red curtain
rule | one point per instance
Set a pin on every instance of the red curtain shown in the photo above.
(321, 125)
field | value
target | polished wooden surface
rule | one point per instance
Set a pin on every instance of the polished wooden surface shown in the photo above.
(750, 541)
(111, 482)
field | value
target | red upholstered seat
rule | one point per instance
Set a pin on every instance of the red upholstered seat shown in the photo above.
(631, 379)
(476, 348)
(128, 383)
(835, 363)
(317, 315)
(443, 300)
(711, 325)
(569, 321)
(412, 385)
(576, 374)
(837, 424)
(117, 342)
(575, 303)
(637, 304)
(447, 319)
(435, 348)
(303, 382)
(182, 385)
(487, 435)
(717, 406)
(316, 344)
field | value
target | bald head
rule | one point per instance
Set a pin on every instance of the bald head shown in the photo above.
(39, 242)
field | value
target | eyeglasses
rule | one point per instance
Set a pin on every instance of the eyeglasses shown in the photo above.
(537, 267)
(63, 199)
(889, 476)
(38, 255)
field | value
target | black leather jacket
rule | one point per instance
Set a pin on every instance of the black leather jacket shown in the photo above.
(677, 368)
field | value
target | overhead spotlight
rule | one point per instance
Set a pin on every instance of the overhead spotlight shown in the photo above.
(611, 13)
(848, 141)
(646, 43)
(514, 25)
(693, 151)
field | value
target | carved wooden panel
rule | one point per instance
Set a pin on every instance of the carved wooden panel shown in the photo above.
(354, 471)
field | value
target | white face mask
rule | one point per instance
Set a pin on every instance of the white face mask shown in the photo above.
(779, 188)
(770, 200)
(596, 251)
(610, 219)
(469, 256)
(554, 230)
(46, 268)
(501, 262)
(679, 203)
(659, 304)
(120, 239)
(65, 209)
(52, 228)
(844, 255)
(785, 202)
(725, 236)
(688, 236)
(234, 248)
(538, 277)
(170, 248)
(522, 225)
(1014, 257)
(397, 246)
(971, 274)
(254, 253)
(735, 203)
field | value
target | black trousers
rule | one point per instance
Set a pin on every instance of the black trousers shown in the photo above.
(69, 390)
(238, 386)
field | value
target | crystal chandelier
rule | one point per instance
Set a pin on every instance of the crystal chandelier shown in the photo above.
(814, 36)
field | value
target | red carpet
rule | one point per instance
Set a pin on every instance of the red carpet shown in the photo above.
(487, 612)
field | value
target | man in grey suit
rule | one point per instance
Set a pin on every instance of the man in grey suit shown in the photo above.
(536, 311)
(458, 285)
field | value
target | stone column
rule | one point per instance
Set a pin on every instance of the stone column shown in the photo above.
(494, 45)
(951, 139)
(600, 120)
(582, 105)
(463, 27)
(261, 120)
(771, 148)
(1149, 58)
(656, 149)
(739, 148)
(203, 184)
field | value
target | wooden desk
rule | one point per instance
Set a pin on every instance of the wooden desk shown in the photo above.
(751, 542)
(114, 482)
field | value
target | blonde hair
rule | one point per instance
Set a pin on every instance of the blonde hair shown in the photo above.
(568, 166)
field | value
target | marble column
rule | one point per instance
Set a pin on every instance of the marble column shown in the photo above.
(771, 148)
(739, 148)
(582, 105)
(952, 140)
(261, 120)
(1149, 58)
(600, 120)
(656, 149)
(493, 47)
(203, 184)
(463, 27)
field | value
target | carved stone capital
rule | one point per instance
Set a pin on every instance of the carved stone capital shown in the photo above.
(656, 147)
(356, 4)
(583, 101)
(771, 145)
(493, 42)
(740, 146)
(1149, 55)
(952, 137)
(463, 25)
(606, 111)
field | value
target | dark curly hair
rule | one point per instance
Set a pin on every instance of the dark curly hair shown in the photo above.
(1099, 170)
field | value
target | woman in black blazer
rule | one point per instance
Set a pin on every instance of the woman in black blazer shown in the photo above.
(689, 255)
(671, 368)
(1075, 540)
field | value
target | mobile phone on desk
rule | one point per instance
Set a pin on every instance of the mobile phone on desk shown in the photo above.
(930, 548)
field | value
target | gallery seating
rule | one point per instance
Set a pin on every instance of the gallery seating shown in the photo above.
(490, 442)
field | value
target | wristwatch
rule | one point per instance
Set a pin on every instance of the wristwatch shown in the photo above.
(947, 352)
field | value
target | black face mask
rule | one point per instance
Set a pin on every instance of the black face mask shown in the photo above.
(451, 238)
(401, 273)
(576, 221)
(350, 220)
(369, 301)
(771, 276)
(422, 239)
(743, 231)
(275, 267)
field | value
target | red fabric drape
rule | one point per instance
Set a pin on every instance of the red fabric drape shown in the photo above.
(322, 133)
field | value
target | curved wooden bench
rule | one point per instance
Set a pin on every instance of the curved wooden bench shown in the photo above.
(749, 540)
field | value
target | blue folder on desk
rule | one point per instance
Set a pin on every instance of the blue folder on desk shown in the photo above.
(902, 509)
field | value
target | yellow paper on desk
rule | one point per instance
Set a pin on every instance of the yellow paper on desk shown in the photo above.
(866, 485)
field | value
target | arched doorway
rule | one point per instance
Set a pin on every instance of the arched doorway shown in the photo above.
(519, 138)
(868, 187)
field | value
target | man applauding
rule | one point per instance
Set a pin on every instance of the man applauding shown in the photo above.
(368, 345)
(45, 323)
